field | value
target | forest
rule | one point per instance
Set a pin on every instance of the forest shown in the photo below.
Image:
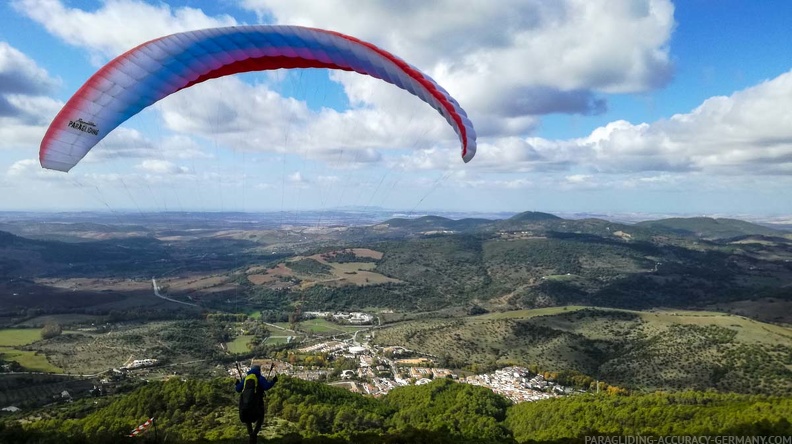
(443, 411)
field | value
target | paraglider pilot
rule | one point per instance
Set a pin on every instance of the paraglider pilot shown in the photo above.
(251, 399)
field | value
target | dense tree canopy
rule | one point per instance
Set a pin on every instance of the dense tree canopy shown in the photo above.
(443, 411)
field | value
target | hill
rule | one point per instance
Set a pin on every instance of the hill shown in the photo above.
(533, 216)
(532, 268)
(710, 228)
(433, 224)
(531, 260)
(638, 350)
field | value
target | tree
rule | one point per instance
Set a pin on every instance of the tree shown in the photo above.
(51, 330)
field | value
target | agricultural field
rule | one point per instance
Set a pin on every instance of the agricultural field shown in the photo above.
(279, 340)
(316, 326)
(12, 337)
(301, 272)
(198, 283)
(325, 327)
(31, 360)
(239, 344)
(66, 320)
(11, 343)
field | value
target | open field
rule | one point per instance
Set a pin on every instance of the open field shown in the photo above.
(239, 344)
(97, 284)
(336, 274)
(524, 314)
(278, 340)
(317, 326)
(30, 360)
(197, 283)
(12, 337)
(62, 319)
(747, 330)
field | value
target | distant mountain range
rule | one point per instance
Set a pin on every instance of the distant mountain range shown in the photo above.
(710, 228)
(528, 260)
(698, 227)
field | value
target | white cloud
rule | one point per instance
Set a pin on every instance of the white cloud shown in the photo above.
(254, 118)
(515, 58)
(24, 107)
(29, 169)
(20, 75)
(296, 177)
(578, 178)
(22, 168)
(126, 142)
(749, 132)
(161, 167)
(117, 25)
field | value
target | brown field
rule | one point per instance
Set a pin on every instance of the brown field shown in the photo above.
(362, 278)
(365, 252)
(196, 283)
(62, 319)
(93, 284)
(260, 279)
(350, 273)
(267, 276)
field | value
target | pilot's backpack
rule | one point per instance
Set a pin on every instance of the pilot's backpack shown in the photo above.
(250, 408)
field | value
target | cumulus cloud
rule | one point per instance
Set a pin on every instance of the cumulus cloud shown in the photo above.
(161, 167)
(117, 25)
(20, 75)
(748, 133)
(296, 177)
(24, 107)
(255, 118)
(519, 58)
(28, 169)
(130, 143)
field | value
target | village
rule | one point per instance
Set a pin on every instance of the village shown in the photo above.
(351, 362)
(379, 370)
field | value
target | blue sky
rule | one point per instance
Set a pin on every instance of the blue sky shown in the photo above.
(613, 107)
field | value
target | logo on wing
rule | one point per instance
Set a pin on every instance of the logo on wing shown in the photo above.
(86, 127)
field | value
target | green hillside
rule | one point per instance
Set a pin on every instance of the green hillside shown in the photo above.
(710, 228)
(192, 411)
(531, 260)
(435, 223)
(638, 350)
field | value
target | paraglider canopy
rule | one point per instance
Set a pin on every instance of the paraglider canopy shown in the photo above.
(155, 69)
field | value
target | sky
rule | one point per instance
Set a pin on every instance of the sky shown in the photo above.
(581, 106)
